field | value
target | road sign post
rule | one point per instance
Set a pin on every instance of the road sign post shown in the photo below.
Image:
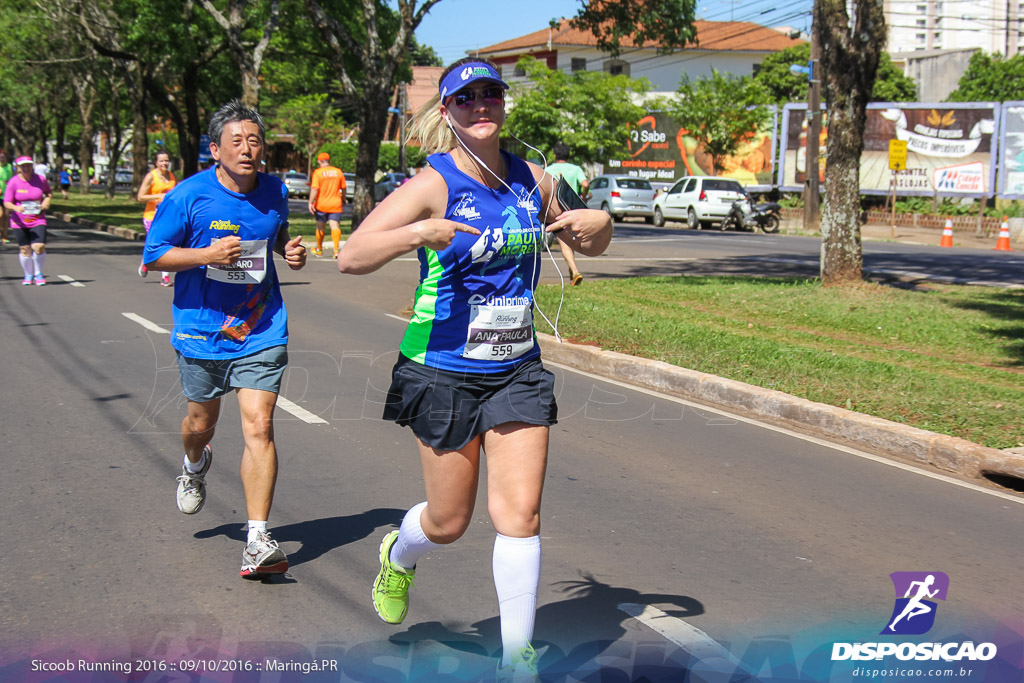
(897, 163)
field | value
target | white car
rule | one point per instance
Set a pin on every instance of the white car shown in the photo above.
(699, 200)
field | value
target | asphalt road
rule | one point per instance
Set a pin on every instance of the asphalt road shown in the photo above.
(675, 537)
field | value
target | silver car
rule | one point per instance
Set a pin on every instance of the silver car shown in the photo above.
(350, 186)
(297, 183)
(701, 201)
(621, 196)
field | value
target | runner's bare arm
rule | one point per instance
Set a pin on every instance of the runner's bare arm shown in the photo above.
(147, 184)
(409, 218)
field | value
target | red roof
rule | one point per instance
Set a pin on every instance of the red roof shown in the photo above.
(711, 35)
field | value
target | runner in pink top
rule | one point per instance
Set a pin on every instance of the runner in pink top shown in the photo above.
(26, 198)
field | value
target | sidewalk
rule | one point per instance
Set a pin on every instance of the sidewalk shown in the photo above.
(928, 237)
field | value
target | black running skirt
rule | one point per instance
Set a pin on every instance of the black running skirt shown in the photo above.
(446, 410)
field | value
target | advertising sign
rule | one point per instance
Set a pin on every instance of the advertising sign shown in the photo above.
(659, 150)
(950, 148)
(1011, 175)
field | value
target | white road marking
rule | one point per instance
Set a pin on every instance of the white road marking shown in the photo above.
(151, 326)
(70, 280)
(697, 643)
(299, 412)
(810, 439)
(397, 317)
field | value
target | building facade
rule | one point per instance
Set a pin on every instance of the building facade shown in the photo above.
(729, 47)
(917, 25)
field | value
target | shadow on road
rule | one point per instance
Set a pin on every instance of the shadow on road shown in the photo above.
(318, 536)
(583, 632)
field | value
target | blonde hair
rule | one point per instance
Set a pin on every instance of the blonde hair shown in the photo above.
(428, 126)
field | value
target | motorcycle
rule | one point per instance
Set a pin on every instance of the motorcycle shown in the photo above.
(745, 215)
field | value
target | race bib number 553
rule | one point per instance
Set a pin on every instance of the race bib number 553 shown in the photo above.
(250, 268)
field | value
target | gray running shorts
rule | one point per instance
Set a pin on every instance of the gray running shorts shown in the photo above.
(322, 217)
(204, 380)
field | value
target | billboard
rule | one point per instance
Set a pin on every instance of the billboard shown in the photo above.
(1011, 174)
(951, 148)
(659, 150)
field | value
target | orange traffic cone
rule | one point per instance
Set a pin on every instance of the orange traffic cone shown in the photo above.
(947, 234)
(1003, 243)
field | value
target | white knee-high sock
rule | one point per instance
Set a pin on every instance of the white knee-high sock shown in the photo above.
(516, 566)
(411, 542)
(26, 265)
(38, 259)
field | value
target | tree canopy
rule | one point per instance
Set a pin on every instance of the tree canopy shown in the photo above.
(784, 86)
(991, 78)
(586, 110)
(720, 111)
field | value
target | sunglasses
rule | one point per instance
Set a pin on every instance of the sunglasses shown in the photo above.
(493, 96)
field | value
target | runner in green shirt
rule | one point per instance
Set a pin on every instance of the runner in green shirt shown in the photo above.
(577, 179)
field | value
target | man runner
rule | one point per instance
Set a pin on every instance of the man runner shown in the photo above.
(218, 230)
(325, 201)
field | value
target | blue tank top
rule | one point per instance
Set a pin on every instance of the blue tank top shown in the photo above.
(474, 306)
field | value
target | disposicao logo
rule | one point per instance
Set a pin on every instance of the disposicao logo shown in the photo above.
(914, 614)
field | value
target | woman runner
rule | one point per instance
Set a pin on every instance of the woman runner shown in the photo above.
(158, 182)
(469, 376)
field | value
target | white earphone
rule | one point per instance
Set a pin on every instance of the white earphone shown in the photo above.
(561, 278)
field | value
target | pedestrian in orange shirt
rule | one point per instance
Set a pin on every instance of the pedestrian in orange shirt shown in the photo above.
(325, 201)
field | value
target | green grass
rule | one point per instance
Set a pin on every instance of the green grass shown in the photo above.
(123, 211)
(949, 359)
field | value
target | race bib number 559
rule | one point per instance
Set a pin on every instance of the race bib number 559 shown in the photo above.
(499, 332)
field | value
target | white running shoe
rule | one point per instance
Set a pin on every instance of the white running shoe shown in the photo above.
(263, 557)
(192, 487)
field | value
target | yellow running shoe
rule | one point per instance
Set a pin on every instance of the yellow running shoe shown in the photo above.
(391, 589)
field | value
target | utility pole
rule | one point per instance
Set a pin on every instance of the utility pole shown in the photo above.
(812, 191)
(404, 106)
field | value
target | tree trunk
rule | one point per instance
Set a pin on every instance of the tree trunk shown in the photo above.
(140, 119)
(373, 113)
(849, 61)
(250, 88)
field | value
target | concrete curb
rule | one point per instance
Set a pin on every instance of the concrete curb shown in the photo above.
(123, 233)
(865, 432)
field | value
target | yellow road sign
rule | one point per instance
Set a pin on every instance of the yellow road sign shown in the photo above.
(898, 155)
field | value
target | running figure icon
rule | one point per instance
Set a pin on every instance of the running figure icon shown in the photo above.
(915, 607)
(919, 591)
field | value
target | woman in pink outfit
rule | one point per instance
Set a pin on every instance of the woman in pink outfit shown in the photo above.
(27, 198)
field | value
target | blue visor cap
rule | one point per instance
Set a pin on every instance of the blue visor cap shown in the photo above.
(467, 74)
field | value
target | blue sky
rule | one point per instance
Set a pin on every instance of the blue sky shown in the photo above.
(454, 26)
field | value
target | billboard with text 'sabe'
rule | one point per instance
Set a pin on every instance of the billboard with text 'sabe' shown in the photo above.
(659, 150)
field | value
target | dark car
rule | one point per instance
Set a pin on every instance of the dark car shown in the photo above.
(387, 184)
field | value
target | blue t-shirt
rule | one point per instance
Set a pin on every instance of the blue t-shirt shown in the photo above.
(474, 306)
(215, 317)
(65, 178)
